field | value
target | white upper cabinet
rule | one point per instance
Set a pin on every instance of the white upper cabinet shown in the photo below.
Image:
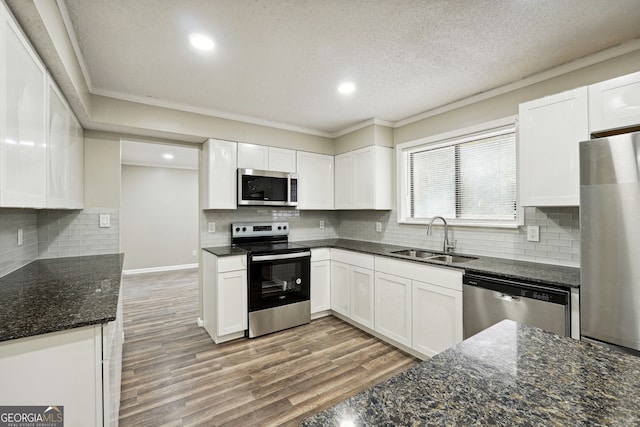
(219, 174)
(58, 150)
(251, 156)
(615, 103)
(261, 157)
(282, 160)
(75, 199)
(315, 181)
(550, 130)
(22, 120)
(364, 179)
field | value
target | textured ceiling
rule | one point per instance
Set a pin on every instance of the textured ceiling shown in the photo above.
(280, 60)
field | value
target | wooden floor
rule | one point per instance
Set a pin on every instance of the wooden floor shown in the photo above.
(174, 375)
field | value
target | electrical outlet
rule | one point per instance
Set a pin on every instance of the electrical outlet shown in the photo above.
(533, 233)
(20, 236)
(193, 253)
(321, 224)
(379, 227)
(211, 227)
(105, 220)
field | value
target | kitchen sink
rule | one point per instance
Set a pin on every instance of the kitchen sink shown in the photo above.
(430, 256)
(414, 253)
(451, 258)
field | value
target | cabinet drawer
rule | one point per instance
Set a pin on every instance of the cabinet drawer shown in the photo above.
(353, 258)
(445, 277)
(320, 254)
(232, 263)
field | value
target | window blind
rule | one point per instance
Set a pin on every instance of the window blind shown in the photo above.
(472, 179)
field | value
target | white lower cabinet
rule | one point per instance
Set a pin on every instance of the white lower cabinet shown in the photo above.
(340, 288)
(352, 286)
(224, 296)
(361, 302)
(79, 369)
(437, 318)
(418, 305)
(393, 307)
(320, 282)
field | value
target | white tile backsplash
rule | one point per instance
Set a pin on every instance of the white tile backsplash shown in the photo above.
(12, 256)
(559, 235)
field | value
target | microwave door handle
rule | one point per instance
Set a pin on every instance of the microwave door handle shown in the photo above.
(288, 190)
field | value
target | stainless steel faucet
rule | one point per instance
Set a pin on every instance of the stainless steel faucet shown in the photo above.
(446, 247)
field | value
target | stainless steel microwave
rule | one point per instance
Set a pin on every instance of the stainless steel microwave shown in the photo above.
(267, 188)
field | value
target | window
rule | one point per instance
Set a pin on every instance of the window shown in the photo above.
(468, 179)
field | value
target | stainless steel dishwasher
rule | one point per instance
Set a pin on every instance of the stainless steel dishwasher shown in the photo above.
(486, 300)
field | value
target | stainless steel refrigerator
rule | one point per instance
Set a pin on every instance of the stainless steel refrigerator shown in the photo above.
(610, 249)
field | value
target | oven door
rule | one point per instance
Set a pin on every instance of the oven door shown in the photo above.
(278, 279)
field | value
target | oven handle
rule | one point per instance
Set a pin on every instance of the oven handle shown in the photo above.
(256, 258)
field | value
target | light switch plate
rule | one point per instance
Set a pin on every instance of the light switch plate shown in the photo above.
(105, 220)
(211, 227)
(20, 236)
(321, 224)
(533, 233)
(379, 227)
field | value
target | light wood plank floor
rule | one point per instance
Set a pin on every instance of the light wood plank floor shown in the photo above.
(174, 375)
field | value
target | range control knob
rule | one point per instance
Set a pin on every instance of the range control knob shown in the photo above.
(279, 228)
(285, 227)
(237, 229)
(244, 229)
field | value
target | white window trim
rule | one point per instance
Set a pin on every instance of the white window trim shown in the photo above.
(442, 140)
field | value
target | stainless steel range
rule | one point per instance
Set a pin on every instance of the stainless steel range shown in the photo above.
(278, 276)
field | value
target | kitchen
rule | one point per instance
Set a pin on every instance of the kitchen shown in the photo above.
(108, 119)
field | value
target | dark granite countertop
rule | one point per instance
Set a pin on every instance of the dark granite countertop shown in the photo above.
(546, 274)
(507, 375)
(52, 295)
(226, 250)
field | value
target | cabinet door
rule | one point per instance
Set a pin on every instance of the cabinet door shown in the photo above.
(615, 103)
(232, 302)
(550, 130)
(362, 292)
(340, 288)
(251, 156)
(344, 181)
(22, 122)
(437, 318)
(363, 176)
(282, 160)
(315, 181)
(219, 174)
(58, 150)
(76, 166)
(320, 286)
(393, 307)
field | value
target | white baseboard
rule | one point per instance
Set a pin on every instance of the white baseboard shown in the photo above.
(160, 269)
(200, 322)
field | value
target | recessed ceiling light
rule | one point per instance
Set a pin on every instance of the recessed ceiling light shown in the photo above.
(347, 87)
(168, 156)
(201, 41)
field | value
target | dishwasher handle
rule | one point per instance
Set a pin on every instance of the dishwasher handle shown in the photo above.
(506, 297)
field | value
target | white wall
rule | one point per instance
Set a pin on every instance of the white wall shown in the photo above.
(159, 216)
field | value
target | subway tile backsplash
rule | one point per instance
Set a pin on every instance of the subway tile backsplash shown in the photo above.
(559, 232)
(12, 256)
(559, 235)
(53, 234)
(77, 232)
(305, 225)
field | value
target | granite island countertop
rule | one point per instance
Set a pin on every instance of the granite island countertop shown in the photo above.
(50, 295)
(545, 274)
(509, 374)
